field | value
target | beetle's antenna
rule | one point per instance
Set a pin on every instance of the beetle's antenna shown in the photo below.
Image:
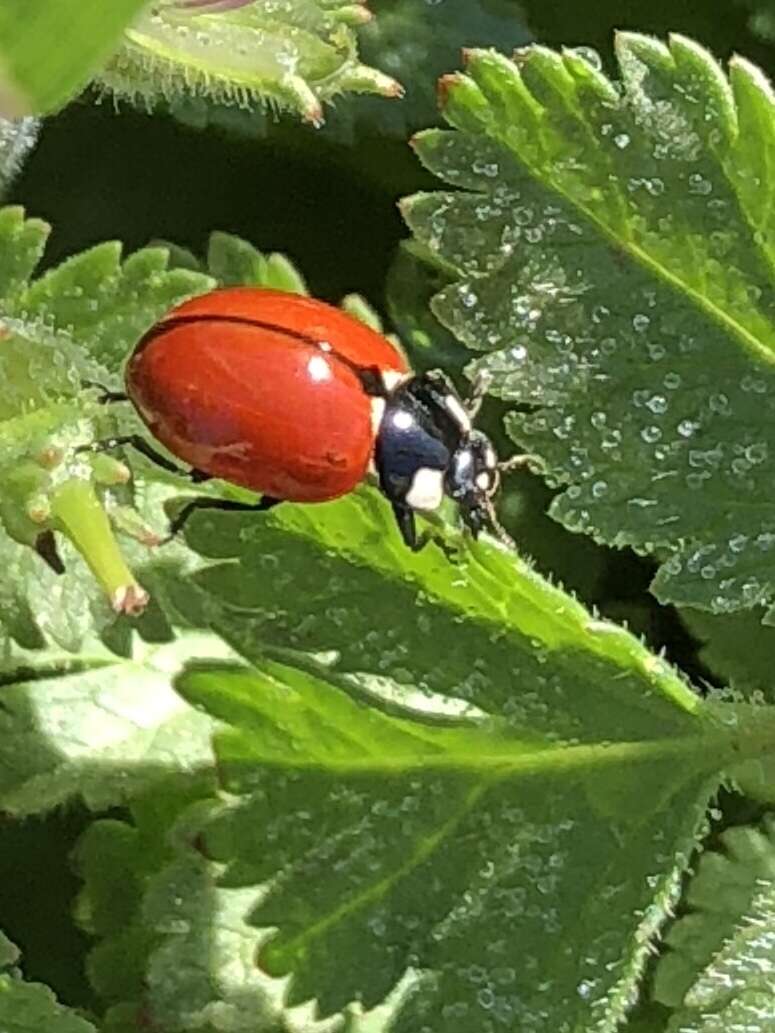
(517, 462)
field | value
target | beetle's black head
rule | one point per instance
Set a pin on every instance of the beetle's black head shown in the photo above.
(427, 448)
(472, 479)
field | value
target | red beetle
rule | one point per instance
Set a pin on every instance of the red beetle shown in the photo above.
(297, 400)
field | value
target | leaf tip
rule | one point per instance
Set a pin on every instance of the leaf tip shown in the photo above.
(392, 88)
(741, 69)
(129, 600)
(446, 85)
(313, 114)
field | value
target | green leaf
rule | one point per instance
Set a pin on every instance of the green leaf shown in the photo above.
(159, 918)
(74, 324)
(32, 1007)
(9, 953)
(717, 971)
(297, 55)
(613, 248)
(106, 304)
(536, 778)
(99, 726)
(737, 648)
(36, 77)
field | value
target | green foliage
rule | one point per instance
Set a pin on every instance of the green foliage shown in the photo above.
(36, 77)
(98, 726)
(417, 42)
(385, 808)
(717, 969)
(360, 763)
(296, 55)
(363, 789)
(613, 255)
(17, 138)
(71, 325)
(31, 1007)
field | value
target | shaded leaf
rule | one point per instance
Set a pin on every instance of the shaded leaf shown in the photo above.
(99, 726)
(718, 969)
(32, 1007)
(417, 42)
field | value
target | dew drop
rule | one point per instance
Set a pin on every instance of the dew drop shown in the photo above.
(718, 403)
(486, 998)
(640, 322)
(756, 453)
(686, 428)
(657, 404)
(699, 185)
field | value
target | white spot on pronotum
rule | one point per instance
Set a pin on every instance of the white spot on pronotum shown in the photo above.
(318, 369)
(458, 413)
(427, 490)
(403, 420)
(483, 480)
(377, 412)
(391, 378)
(490, 459)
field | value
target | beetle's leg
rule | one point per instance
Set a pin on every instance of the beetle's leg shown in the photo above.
(138, 442)
(405, 518)
(46, 548)
(373, 383)
(226, 505)
(106, 395)
(479, 388)
(407, 526)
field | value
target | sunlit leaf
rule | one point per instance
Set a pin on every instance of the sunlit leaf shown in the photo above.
(36, 76)
(440, 809)
(73, 325)
(613, 247)
(295, 55)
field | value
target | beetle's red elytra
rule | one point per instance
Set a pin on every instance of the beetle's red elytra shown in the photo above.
(262, 389)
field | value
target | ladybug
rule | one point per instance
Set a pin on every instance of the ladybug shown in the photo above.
(296, 400)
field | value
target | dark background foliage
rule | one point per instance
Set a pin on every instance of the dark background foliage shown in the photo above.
(328, 200)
